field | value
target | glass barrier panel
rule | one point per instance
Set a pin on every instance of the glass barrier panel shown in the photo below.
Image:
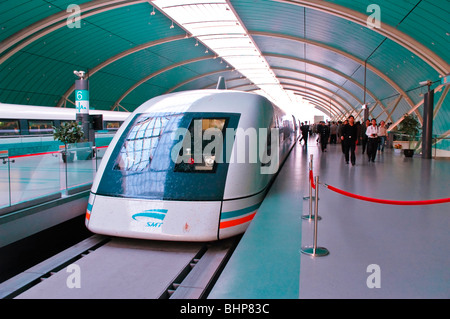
(441, 147)
(80, 164)
(35, 172)
(5, 193)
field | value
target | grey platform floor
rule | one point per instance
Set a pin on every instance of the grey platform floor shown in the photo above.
(410, 245)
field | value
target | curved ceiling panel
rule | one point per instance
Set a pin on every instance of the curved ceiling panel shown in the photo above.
(316, 48)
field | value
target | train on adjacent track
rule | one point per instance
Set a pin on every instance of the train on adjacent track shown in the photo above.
(190, 166)
(24, 120)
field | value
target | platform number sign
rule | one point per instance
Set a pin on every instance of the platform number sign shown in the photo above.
(82, 101)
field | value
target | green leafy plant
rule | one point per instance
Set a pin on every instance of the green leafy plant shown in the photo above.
(410, 126)
(68, 133)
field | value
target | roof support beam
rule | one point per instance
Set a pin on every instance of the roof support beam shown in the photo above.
(147, 78)
(390, 32)
(345, 76)
(194, 79)
(332, 94)
(323, 106)
(229, 85)
(401, 118)
(336, 104)
(340, 52)
(323, 109)
(334, 113)
(37, 30)
(118, 57)
(370, 111)
(325, 80)
(396, 103)
(439, 103)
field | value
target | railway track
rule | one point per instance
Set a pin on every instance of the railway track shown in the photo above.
(101, 267)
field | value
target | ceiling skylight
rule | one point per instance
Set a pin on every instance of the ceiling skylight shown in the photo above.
(215, 24)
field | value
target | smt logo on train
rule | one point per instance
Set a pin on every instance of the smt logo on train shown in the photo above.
(151, 217)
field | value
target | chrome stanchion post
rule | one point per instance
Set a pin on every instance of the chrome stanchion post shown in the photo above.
(310, 216)
(309, 179)
(314, 250)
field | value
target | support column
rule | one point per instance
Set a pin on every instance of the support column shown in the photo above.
(82, 104)
(427, 126)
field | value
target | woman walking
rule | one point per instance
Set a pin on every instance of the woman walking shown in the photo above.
(382, 134)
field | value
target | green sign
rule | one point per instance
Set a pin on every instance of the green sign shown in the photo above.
(82, 101)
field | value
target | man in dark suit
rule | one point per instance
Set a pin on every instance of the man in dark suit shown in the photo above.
(324, 131)
(305, 130)
(349, 138)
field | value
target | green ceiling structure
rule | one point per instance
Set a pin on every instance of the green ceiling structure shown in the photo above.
(326, 51)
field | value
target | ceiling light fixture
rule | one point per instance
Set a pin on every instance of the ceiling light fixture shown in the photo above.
(216, 25)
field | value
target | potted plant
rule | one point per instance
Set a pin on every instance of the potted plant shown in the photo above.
(68, 133)
(397, 148)
(409, 126)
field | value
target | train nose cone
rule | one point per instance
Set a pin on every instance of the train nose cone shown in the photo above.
(155, 219)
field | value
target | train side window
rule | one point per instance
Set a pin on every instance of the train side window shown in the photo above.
(112, 125)
(201, 158)
(40, 127)
(9, 127)
(64, 122)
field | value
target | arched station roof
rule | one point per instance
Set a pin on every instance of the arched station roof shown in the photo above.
(322, 50)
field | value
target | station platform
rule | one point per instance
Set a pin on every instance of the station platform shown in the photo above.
(376, 250)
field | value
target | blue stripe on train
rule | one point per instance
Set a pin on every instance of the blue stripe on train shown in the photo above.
(239, 212)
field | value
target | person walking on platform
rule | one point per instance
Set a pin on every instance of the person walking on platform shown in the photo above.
(324, 135)
(382, 134)
(340, 133)
(372, 141)
(305, 130)
(333, 132)
(364, 136)
(300, 126)
(349, 138)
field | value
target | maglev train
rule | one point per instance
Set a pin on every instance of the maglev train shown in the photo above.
(190, 166)
(18, 119)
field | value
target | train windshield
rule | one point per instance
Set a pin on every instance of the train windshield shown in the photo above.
(170, 157)
(139, 147)
(202, 144)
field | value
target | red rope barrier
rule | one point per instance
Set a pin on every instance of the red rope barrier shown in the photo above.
(311, 178)
(387, 201)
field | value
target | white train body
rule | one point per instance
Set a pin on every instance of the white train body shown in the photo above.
(141, 191)
(31, 112)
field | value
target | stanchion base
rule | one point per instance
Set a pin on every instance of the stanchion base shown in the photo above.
(307, 197)
(307, 217)
(318, 252)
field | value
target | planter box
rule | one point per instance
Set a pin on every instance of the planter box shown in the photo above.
(408, 152)
(69, 157)
(405, 144)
